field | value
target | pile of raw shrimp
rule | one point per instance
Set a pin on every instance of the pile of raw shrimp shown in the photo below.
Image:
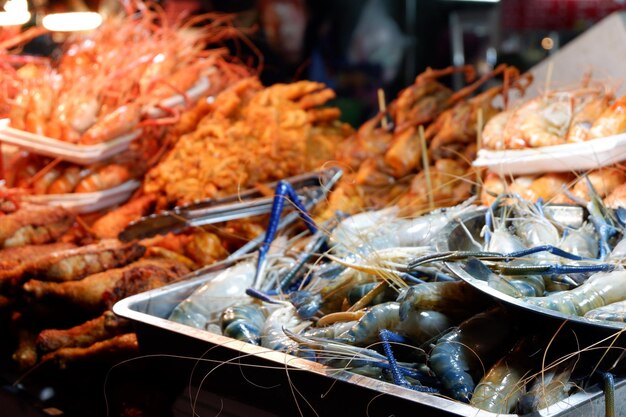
(372, 294)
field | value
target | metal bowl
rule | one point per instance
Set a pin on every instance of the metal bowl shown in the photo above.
(455, 238)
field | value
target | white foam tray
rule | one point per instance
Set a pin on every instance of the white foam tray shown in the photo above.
(581, 156)
(88, 202)
(194, 93)
(78, 154)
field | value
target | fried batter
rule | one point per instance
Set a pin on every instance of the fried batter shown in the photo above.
(104, 327)
(250, 135)
(77, 263)
(114, 348)
(111, 224)
(100, 291)
(14, 261)
(34, 224)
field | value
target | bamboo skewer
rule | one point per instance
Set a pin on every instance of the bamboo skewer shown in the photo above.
(548, 76)
(479, 145)
(382, 106)
(426, 167)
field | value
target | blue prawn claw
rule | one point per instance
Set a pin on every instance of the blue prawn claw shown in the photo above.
(284, 191)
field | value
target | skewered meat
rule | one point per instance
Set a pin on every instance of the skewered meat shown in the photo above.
(100, 291)
(101, 328)
(14, 261)
(34, 224)
(117, 347)
(77, 263)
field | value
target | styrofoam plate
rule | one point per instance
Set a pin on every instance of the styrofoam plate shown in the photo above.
(88, 202)
(78, 154)
(581, 156)
(193, 94)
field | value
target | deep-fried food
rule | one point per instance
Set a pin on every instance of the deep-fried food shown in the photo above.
(101, 328)
(14, 261)
(111, 224)
(34, 224)
(77, 263)
(114, 348)
(100, 291)
(250, 135)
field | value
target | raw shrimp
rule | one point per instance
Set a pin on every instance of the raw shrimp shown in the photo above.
(582, 241)
(273, 335)
(610, 312)
(419, 326)
(548, 388)
(456, 299)
(224, 289)
(500, 389)
(244, 322)
(459, 356)
(599, 290)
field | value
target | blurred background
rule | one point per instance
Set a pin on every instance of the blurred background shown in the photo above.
(358, 46)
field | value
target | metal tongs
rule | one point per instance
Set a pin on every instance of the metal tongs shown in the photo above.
(311, 188)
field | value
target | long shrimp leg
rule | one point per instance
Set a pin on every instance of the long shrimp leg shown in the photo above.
(386, 337)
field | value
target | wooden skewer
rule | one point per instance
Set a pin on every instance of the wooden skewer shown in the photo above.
(549, 76)
(426, 168)
(382, 107)
(479, 145)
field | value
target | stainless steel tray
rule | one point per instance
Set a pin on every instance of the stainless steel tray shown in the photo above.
(287, 379)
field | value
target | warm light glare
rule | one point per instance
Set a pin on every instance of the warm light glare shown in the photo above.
(15, 14)
(547, 43)
(72, 22)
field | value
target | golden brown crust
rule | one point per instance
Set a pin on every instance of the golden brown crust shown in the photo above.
(104, 327)
(34, 224)
(114, 348)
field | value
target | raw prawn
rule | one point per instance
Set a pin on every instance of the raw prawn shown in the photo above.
(502, 386)
(610, 312)
(419, 326)
(223, 290)
(244, 322)
(599, 290)
(459, 355)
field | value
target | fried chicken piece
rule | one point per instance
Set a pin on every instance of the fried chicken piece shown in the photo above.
(34, 224)
(113, 223)
(77, 263)
(100, 291)
(14, 261)
(114, 348)
(101, 328)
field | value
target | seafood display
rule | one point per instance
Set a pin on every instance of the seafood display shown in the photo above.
(362, 284)
(383, 303)
(94, 93)
(557, 117)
